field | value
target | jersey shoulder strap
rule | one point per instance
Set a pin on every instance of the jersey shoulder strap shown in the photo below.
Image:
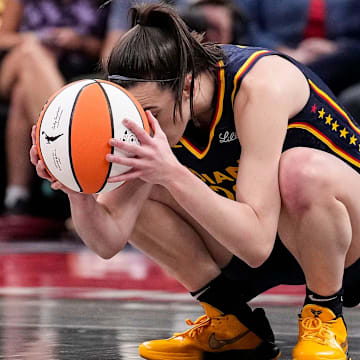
(239, 60)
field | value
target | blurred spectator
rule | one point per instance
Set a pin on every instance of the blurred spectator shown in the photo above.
(2, 5)
(45, 43)
(221, 21)
(324, 34)
(119, 21)
(3, 113)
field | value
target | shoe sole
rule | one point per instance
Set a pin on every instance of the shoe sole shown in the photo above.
(263, 352)
(162, 356)
(321, 358)
(154, 355)
(236, 355)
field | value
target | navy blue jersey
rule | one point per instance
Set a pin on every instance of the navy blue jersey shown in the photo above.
(322, 124)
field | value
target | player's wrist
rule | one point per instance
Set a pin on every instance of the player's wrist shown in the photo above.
(176, 177)
(81, 199)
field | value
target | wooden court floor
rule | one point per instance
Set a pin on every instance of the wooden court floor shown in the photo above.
(59, 301)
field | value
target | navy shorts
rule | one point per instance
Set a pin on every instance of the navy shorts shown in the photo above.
(281, 268)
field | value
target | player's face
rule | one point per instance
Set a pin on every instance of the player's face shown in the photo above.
(160, 102)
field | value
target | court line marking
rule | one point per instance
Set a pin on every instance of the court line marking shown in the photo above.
(117, 294)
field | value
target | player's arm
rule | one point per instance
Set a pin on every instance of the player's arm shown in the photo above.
(272, 92)
(104, 222)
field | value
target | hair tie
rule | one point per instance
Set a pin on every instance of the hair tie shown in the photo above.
(116, 77)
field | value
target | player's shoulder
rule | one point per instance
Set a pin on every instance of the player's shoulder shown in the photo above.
(239, 60)
(236, 55)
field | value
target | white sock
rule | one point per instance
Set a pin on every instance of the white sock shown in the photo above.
(13, 193)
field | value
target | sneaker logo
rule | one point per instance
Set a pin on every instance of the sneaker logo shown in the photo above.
(316, 312)
(216, 344)
(313, 298)
(201, 292)
(344, 345)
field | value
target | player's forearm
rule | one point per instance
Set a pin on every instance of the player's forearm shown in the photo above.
(105, 224)
(235, 225)
(95, 226)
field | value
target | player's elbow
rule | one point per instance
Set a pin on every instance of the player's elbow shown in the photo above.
(108, 253)
(110, 249)
(106, 256)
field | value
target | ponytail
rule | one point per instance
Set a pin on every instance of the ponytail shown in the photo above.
(159, 47)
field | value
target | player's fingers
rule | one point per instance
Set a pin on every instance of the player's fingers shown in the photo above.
(139, 132)
(153, 122)
(41, 171)
(130, 175)
(34, 156)
(130, 148)
(127, 161)
(57, 185)
(33, 134)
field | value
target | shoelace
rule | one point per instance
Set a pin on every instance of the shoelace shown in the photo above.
(315, 329)
(198, 326)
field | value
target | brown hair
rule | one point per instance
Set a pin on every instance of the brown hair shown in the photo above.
(159, 47)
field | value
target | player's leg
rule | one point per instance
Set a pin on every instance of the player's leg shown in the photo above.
(351, 285)
(172, 239)
(171, 242)
(281, 268)
(319, 224)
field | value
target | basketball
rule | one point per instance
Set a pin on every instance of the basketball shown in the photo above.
(74, 129)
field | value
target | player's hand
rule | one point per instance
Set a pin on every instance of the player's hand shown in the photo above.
(40, 166)
(153, 161)
(35, 158)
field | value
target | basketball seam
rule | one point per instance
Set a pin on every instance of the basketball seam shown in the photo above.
(70, 127)
(112, 132)
(132, 101)
(125, 92)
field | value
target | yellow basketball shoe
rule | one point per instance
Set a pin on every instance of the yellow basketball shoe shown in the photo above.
(322, 336)
(214, 336)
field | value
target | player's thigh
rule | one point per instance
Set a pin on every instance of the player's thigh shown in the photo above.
(171, 242)
(307, 174)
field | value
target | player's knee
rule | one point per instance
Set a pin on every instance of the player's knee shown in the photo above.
(302, 179)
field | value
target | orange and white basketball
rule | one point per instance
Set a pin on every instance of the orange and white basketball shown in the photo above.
(74, 129)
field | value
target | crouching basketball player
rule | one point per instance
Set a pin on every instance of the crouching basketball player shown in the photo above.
(261, 150)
